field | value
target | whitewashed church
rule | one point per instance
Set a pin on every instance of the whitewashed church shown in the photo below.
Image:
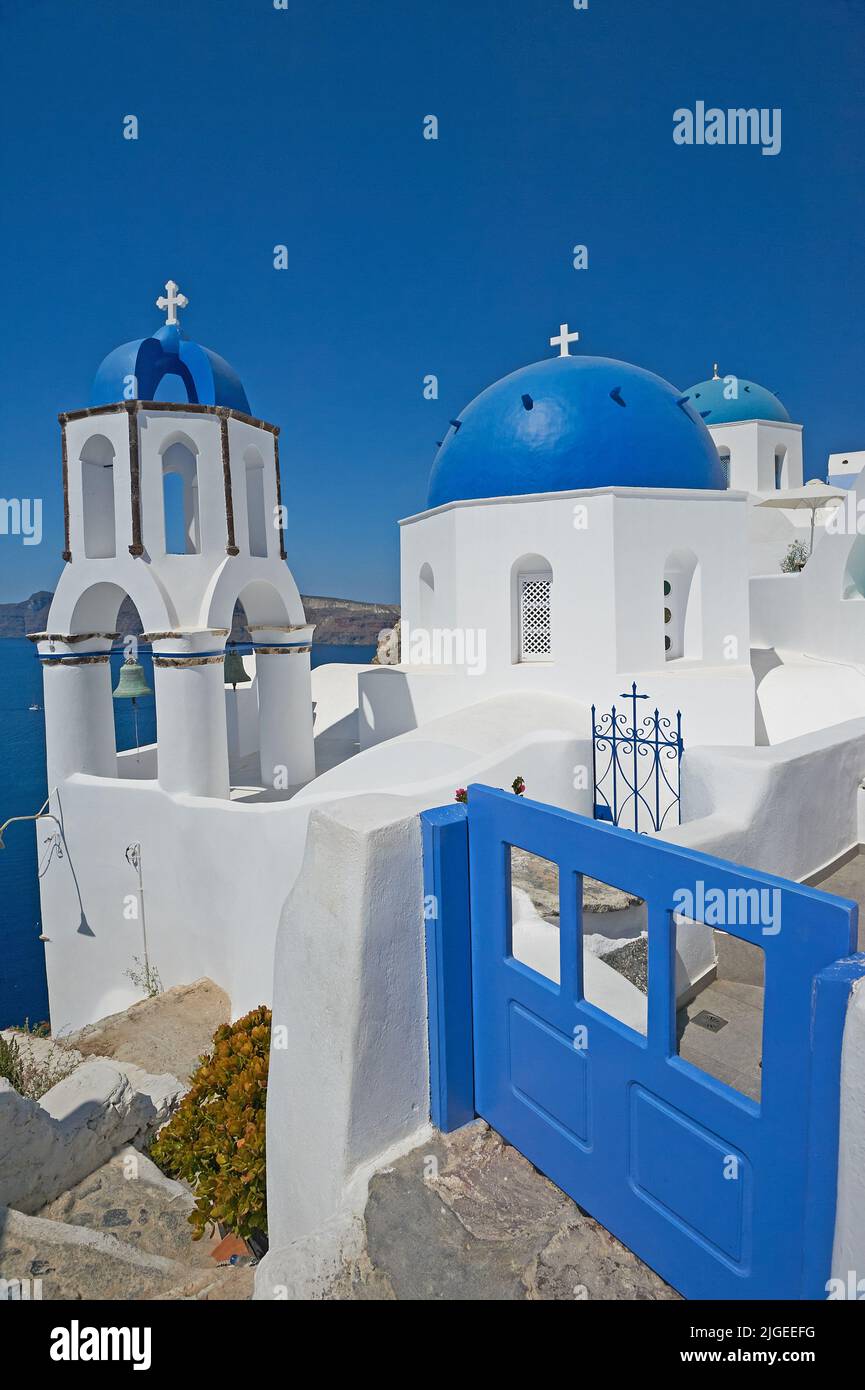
(589, 527)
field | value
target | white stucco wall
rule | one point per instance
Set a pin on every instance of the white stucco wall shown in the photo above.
(609, 551)
(349, 1074)
(790, 809)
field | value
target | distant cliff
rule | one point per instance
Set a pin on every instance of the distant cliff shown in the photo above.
(339, 622)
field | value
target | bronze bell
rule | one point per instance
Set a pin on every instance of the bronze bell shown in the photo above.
(132, 682)
(235, 671)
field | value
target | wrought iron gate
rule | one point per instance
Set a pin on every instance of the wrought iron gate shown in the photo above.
(637, 769)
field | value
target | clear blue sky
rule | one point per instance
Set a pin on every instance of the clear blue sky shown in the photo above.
(261, 126)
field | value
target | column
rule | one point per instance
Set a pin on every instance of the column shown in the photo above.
(79, 711)
(286, 745)
(190, 712)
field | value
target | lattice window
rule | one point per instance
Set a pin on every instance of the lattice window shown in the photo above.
(535, 644)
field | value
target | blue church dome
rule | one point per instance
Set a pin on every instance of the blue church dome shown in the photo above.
(751, 402)
(134, 370)
(574, 422)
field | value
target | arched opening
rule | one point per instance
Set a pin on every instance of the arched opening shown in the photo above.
(724, 456)
(180, 499)
(256, 514)
(108, 608)
(531, 609)
(172, 388)
(272, 710)
(780, 466)
(426, 597)
(853, 584)
(683, 617)
(97, 498)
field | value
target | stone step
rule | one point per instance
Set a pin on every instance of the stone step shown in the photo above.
(131, 1199)
(121, 1233)
(57, 1261)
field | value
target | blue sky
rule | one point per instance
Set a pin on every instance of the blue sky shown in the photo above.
(303, 127)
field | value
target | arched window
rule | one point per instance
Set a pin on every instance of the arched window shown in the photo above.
(97, 497)
(683, 618)
(531, 605)
(426, 597)
(180, 500)
(724, 455)
(853, 584)
(256, 516)
(780, 466)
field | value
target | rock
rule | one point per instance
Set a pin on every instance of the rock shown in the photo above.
(73, 1262)
(632, 961)
(165, 1034)
(467, 1217)
(388, 648)
(540, 879)
(50, 1145)
(131, 1197)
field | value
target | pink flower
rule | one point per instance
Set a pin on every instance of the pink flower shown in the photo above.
(461, 794)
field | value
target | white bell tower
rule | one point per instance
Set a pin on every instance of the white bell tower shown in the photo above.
(176, 503)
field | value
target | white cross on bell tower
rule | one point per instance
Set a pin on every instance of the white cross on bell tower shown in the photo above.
(564, 340)
(172, 300)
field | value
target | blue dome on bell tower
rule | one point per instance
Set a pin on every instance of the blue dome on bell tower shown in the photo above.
(135, 370)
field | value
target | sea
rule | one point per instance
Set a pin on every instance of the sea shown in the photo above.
(23, 988)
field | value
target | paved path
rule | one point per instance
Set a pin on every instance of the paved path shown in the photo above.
(849, 882)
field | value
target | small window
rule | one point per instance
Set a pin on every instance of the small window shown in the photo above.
(535, 635)
(780, 462)
(725, 465)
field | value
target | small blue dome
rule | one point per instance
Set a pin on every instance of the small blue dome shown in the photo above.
(574, 422)
(751, 402)
(134, 370)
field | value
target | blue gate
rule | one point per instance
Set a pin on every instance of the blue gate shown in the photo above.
(637, 769)
(723, 1196)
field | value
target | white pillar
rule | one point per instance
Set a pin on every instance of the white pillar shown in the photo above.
(79, 711)
(286, 746)
(190, 714)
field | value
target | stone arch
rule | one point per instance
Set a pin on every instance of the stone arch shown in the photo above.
(95, 608)
(272, 600)
(271, 715)
(683, 606)
(100, 610)
(531, 598)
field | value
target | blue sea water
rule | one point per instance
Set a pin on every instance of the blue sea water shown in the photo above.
(23, 990)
